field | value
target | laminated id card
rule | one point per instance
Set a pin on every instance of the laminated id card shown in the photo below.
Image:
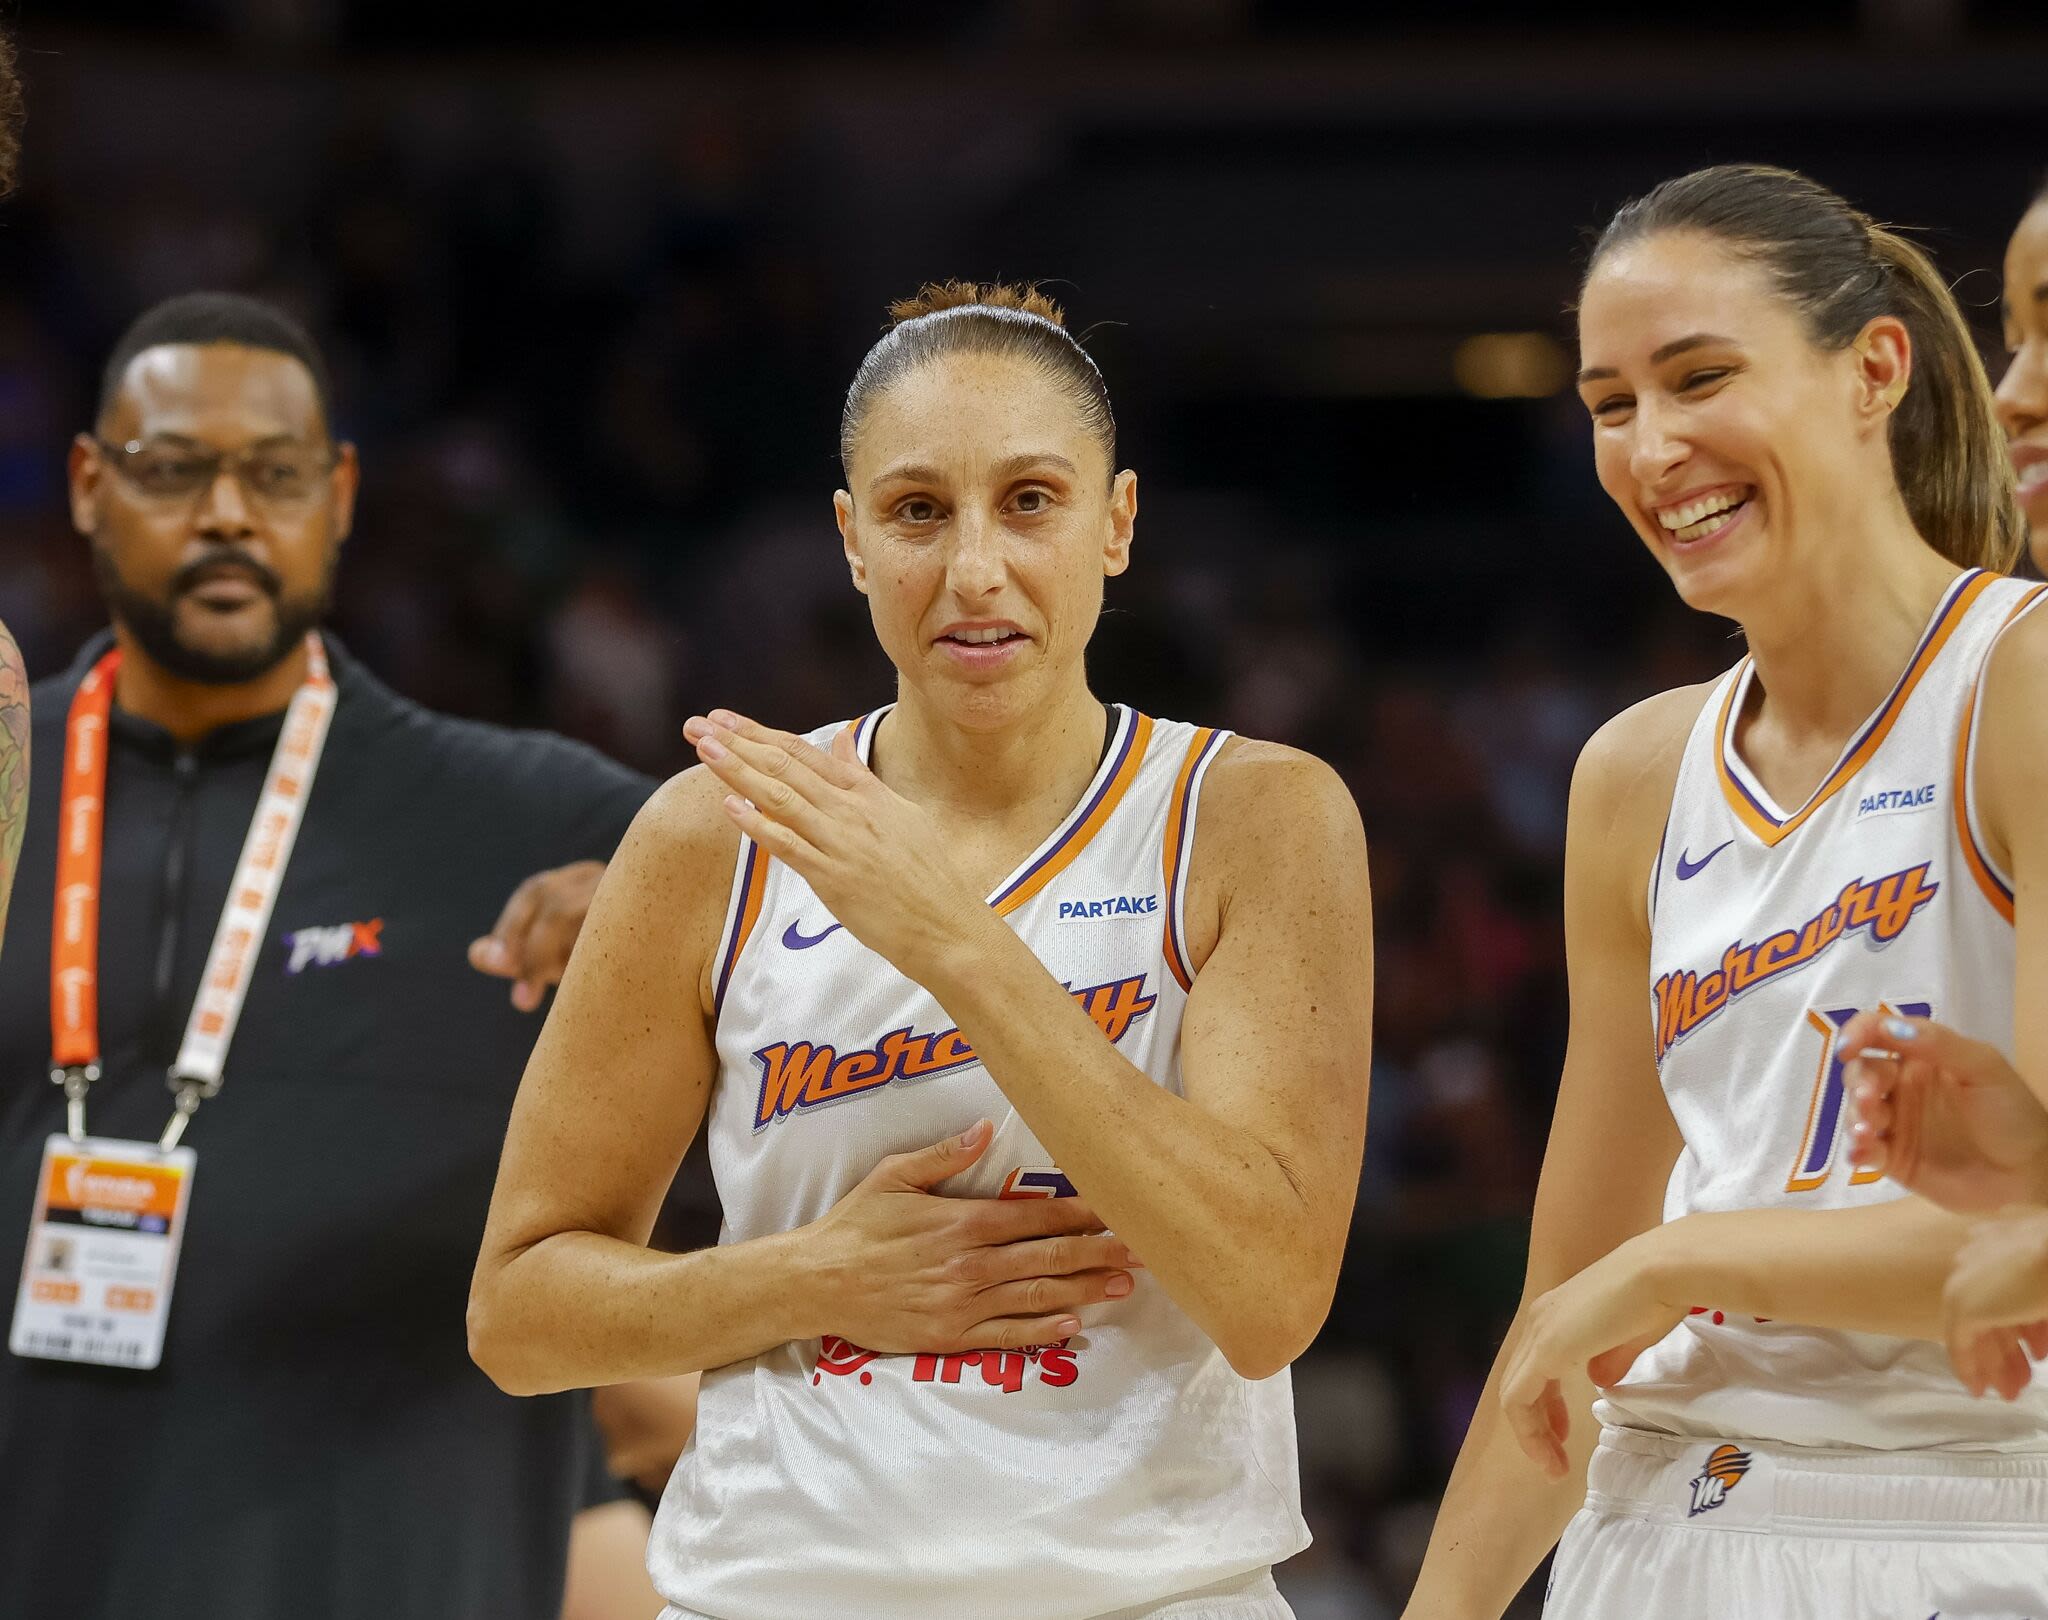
(102, 1252)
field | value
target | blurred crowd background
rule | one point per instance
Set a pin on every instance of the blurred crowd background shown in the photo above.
(593, 279)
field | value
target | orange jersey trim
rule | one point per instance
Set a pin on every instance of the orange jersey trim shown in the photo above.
(1062, 855)
(1171, 854)
(1988, 881)
(753, 884)
(1751, 814)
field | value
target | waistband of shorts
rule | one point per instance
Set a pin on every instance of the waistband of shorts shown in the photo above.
(1645, 1475)
(1251, 1596)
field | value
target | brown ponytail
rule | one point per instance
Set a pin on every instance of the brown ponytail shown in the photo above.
(966, 317)
(1841, 270)
(1948, 448)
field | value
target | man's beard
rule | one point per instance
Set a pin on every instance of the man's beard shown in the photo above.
(153, 621)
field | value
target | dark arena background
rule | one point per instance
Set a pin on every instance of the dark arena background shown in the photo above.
(593, 279)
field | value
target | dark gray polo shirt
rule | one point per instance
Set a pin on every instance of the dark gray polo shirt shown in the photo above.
(316, 1444)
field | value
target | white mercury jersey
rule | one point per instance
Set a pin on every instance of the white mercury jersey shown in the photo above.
(1120, 1467)
(1769, 929)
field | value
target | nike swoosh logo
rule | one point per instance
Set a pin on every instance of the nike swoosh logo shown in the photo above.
(1692, 869)
(795, 939)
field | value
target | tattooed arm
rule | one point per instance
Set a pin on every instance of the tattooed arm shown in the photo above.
(13, 763)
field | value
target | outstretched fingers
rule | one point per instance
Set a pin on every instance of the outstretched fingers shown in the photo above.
(767, 775)
(840, 766)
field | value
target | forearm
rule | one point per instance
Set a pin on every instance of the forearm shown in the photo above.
(1212, 1212)
(13, 763)
(1878, 1268)
(579, 1310)
(1499, 1514)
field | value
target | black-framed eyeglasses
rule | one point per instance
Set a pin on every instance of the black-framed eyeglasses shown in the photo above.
(280, 473)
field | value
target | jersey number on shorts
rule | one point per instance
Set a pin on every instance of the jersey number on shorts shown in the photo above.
(1824, 1119)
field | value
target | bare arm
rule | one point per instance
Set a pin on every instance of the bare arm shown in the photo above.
(1238, 1194)
(2011, 787)
(13, 764)
(566, 1293)
(1876, 1268)
(1612, 1146)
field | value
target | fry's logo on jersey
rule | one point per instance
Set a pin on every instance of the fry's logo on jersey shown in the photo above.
(803, 1074)
(1056, 1365)
(1724, 1469)
(1884, 906)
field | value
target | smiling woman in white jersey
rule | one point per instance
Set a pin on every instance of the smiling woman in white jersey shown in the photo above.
(1789, 411)
(1941, 1113)
(1115, 968)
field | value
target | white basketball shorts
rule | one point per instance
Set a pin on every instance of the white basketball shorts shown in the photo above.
(1677, 1529)
(1242, 1597)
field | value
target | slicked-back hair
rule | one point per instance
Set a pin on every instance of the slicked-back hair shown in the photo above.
(217, 317)
(965, 317)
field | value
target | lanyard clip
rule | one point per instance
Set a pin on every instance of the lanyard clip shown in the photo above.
(76, 1079)
(190, 1090)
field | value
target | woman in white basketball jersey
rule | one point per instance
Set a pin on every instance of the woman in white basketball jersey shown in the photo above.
(1940, 1113)
(1115, 968)
(1788, 409)
(2023, 391)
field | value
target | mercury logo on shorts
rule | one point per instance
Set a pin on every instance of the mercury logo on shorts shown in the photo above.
(324, 947)
(1724, 1469)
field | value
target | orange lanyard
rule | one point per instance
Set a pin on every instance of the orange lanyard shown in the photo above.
(75, 926)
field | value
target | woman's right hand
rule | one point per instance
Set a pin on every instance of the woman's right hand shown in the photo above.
(1995, 1308)
(907, 1270)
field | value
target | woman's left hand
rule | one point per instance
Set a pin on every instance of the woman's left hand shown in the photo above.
(1601, 1321)
(874, 858)
(1941, 1114)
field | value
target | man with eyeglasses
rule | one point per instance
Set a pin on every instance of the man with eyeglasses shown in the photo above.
(244, 1216)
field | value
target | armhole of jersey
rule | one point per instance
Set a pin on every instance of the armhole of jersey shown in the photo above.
(1176, 854)
(1716, 704)
(1996, 886)
(742, 912)
(1656, 883)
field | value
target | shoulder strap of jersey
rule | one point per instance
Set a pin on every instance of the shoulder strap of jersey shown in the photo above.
(1995, 884)
(742, 912)
(1698, 776)
(1177, 850)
